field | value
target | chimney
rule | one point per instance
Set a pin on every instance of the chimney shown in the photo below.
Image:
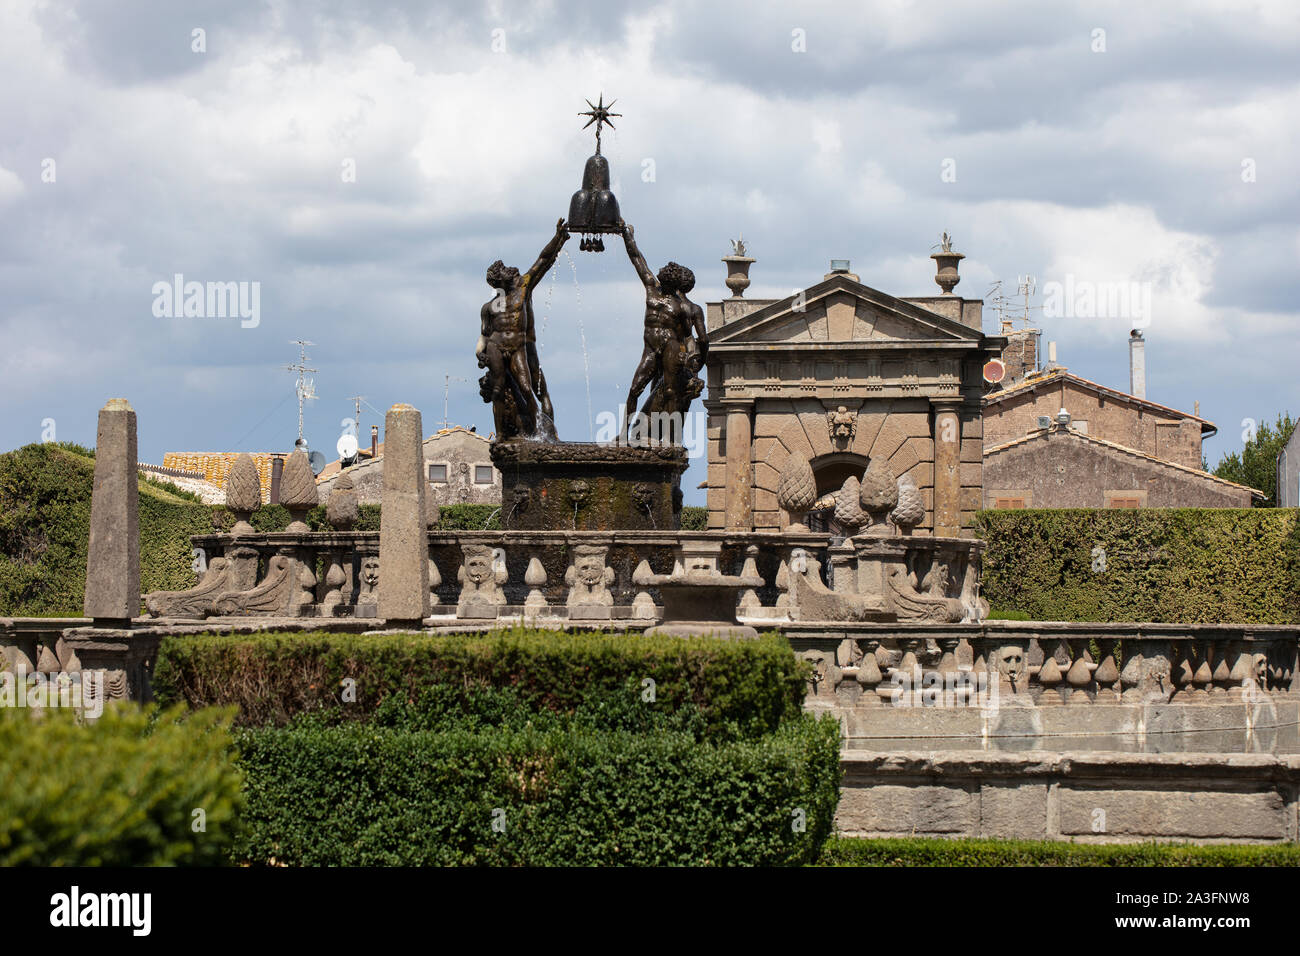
(277, 469)
(1137, 364)
(840, 267)
(374, 442)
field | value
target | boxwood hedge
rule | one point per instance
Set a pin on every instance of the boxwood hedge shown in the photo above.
(857, 851)
(121, 791)
(752, 686)
(364, 795)
(1176, 565)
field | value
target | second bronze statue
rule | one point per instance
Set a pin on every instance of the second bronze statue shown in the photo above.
(675, 345)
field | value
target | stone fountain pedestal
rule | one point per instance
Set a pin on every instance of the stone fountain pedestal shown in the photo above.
(581, 486)
(699, 600)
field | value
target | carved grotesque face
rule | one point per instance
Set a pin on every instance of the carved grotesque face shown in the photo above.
(478, 567)
(1011, 662)
(590, 570)
(843, 424)
(819, 667)
(699, 566)
(1260, 670)
(370, 572)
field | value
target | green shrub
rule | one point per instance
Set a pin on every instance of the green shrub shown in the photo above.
(695, 518)
(362, 795)
(120, 791)
(855, 851)
(753, 685)
(1176, 565)
(469, 518)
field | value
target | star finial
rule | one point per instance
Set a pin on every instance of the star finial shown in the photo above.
(600, 115)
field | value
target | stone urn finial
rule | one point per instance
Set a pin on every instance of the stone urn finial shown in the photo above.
(796, 490)
(910, 510)
(738, 264)
(879, 493)
(298, 490)
(343, 509)
(945, 261)
(243, 492)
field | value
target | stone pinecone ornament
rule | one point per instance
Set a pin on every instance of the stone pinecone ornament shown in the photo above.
(910, 510)
(298, 489)
(243, 492)
(796, 491)
(342, 509)
(848, 506)
(879, 491)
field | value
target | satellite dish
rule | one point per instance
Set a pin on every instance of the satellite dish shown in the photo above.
(347, 447)
(994, 371)
(317, 461)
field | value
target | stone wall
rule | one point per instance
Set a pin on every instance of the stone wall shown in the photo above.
(1062, 469)
(1288, 473)
(1079, 797)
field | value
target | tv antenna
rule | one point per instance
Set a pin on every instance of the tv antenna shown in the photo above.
(305, 387)
(446, 397)
(1013, 309)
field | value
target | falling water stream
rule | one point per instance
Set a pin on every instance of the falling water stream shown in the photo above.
(582, 334)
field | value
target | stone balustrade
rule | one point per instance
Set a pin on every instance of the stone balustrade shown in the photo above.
(1047, 664)
(583, 575)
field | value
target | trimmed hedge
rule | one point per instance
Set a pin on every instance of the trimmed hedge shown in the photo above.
(364, 796)
(1176, 565)
(271, 678)
(121, 791)
(860, 851)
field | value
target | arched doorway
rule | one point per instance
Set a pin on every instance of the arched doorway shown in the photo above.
(829, 472)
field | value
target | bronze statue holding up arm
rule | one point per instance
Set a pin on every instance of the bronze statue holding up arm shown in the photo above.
(507, 348)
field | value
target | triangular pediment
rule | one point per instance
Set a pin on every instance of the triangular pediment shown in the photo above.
(841, 309)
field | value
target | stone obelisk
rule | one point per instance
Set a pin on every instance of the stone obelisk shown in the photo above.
(113, 557)
(403, 534)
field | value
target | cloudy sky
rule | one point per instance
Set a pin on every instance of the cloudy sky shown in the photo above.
(1096, 143)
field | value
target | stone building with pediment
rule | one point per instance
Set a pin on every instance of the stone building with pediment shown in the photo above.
(845, 374)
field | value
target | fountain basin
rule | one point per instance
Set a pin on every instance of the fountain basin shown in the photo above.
(584, 486)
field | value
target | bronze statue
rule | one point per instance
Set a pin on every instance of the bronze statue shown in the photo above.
(507, 348)
(676, 338)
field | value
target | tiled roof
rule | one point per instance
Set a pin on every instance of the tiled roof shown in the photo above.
(215, 465)
(1059, 374)
(1039, 433)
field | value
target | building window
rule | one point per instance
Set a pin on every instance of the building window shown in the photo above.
(1008, 502)
(438, 474)
(483, 474)
(1124, 501)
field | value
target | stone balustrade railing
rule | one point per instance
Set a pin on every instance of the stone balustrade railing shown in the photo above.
(1054, 664)
(582, 575)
